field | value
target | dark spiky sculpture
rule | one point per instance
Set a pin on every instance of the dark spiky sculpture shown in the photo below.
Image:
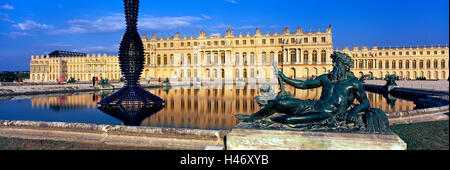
(131, 59)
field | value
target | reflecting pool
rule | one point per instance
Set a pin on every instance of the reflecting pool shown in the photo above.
(187, 107)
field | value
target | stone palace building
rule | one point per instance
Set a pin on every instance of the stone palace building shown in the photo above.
(240, 56)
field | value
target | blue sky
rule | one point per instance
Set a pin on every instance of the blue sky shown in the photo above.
(30, 27)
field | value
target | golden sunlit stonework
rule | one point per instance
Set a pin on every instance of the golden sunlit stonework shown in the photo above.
(240, 56)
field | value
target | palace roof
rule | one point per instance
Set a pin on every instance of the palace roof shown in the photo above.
(58, 53)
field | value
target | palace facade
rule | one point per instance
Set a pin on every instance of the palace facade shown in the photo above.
(240, 56)
(430, 62)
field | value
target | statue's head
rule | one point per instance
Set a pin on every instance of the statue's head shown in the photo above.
(342, 63)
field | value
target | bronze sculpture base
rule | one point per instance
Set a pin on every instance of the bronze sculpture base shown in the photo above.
(243, 138)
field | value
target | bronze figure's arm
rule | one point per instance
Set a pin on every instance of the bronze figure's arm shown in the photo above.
(360, 95)
(299, 84)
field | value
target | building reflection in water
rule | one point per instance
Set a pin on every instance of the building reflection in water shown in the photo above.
(205, 108)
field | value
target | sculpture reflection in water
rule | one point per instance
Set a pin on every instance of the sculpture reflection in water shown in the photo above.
(132, 115)
(132, 102)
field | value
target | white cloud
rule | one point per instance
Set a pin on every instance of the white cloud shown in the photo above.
(5, 18)
(29, 24)
(7, 7)
(116, 22)
(231, 1)
(15, 34)
(99, 49)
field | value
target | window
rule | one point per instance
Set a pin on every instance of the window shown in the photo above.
(171, 44)
(195, 43)
(293, 41)
(158, 45)
(323, 56)
(209, 43)
(387, 53)
(264, 41)
(182, 44)
(323, 39)
(237, 42)
(414, 53)
(272, 41)
(393, 53)
(428, 52)
(222, 43)
(305, 40)
(400, 53)
(435, 52)
(252, 42)
(188, 44)
(442, 52)
(421, 52)
(380, 54)
(244, 42)
(314, 39)
(407, 53)
(280, 40)
(165, 45)
(216, 43)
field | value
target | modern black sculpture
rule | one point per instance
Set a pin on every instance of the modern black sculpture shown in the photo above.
(335, 107)
(131, 59)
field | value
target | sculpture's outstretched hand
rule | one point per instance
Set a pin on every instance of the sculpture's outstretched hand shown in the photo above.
(245, 118)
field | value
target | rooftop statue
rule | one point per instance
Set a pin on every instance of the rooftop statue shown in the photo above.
(340, 88)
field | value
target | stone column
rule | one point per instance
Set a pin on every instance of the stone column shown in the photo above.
(288, 56)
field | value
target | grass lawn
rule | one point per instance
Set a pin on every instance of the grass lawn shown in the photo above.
(424, 136)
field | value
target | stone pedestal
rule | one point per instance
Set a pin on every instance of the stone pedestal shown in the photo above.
(255, 139)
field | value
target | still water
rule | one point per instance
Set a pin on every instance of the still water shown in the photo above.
(187, 107)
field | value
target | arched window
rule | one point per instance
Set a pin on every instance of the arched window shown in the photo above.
(272, 57)
(293, 57)
(189, 59)
(400, 64)
(393, 64)
(386, 64)
(428, 64)
(305, 56)
(244, 58)
(314, 56)
(280, 57)
(421, 65)
(208, 58)
(216, 58)
(435, 64)
(263, 58)
(407, 64)
(165, 59)
(380, 64)
(414, 64)
(323, 56)
(236, 56)
(252, 58)
(442, 63)
(182, 59)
